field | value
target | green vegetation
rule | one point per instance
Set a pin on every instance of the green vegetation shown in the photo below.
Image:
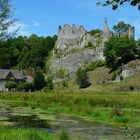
(119, 51)
(93, 65)
(116, 3)
(39, 80)
(10, 85)
(82, 78)
(111, 108)
(6, 20)
(26, 53)
(95, 32)
(61, 73)
(89, 45)
(64, 135)
(26, 87)
(49, 83)
(23, 134)
(121, 27)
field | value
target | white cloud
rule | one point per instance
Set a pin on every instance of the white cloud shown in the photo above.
(21, 28)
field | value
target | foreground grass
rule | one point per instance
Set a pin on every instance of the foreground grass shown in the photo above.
(24, 134)
(112, 108)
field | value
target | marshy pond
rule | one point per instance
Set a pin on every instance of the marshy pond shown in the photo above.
(12, 115)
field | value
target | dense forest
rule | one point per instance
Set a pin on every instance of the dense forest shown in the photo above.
(26, 52)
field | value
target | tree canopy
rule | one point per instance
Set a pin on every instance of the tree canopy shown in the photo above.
(39, 80)
(115, 3)
(5, 19)
(121, 27)
(119, 51)
(26, 52)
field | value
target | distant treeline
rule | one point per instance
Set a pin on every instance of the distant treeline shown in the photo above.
(26, 52)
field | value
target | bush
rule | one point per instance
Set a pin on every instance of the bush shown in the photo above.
(39, 80)
(65, 83)
(10, 85)
(119, 51)
(89, 45)
(94, 32)
(26, 87)
(49, 84)
(82, 78)
(61, 73)
(93, 65)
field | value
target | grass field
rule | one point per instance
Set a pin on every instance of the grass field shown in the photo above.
(117, 109)
(114, 108)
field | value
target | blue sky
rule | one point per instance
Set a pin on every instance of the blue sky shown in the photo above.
(42, 17)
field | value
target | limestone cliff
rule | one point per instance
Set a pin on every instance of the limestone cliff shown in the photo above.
(76, 48)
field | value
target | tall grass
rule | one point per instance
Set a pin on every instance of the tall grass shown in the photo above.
(121, 108)
(23, 134)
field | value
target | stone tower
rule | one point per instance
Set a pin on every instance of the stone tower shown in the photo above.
(107, 33)
(106, 28)
(131, 31)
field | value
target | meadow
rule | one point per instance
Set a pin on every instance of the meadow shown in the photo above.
(120, 109)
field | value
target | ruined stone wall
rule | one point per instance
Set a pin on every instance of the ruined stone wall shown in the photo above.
(72, 51)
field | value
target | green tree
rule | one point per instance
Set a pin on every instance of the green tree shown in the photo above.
(5, 22)
(119, 51)
(82, 78)
(138, 49)
(115, 3)
(39, 80)
(36, 51)
(49, 83)
(26, 87)
(10, 85)
(95, 31)
(121, 27)
(5, 19)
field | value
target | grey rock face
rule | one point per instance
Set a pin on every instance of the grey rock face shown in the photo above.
(70, 52)
(129, 70)
(74, 61)
(70, 36)
(72, 49)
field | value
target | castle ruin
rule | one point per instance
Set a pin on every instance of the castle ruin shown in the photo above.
(107, 33)
(72, 51)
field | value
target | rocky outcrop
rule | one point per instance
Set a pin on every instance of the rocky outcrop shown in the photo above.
(75, 47)
(129, 70)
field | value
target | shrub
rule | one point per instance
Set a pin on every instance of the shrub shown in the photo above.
(61, 73)
(131, 88)
(26, 87)
(94, 32)
(93, 65)
(10, 85)
(89, 45)
(65, 83)
(82, 78)
(119, 51)
(39, 80)
(49, 84)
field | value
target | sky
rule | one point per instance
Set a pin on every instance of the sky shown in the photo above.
(42, 17)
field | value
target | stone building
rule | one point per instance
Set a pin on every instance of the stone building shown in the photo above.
(107, 33)
(17, 76)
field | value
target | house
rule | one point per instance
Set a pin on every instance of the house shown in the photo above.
(12, 75)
